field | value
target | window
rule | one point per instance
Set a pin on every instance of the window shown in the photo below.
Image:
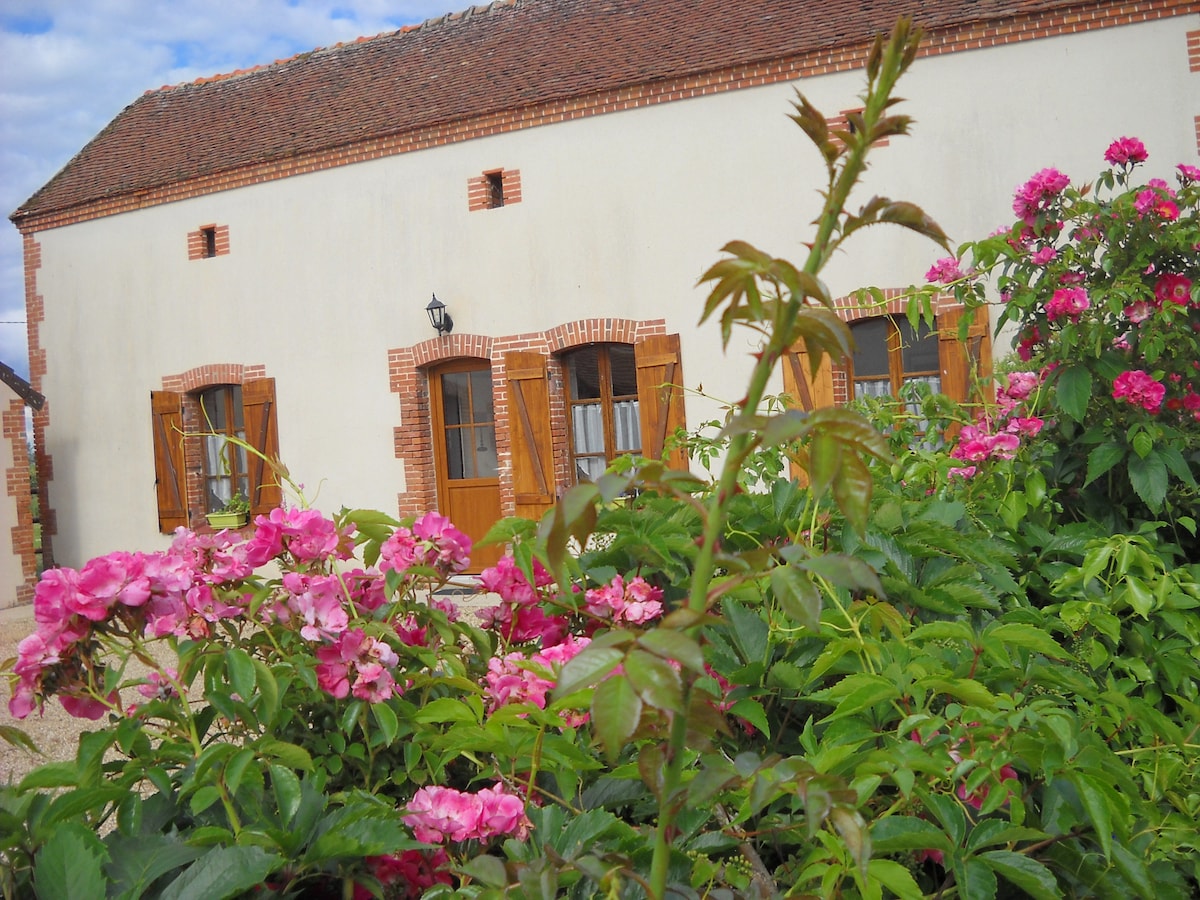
(468, 423)
(210, 241)
(494, 189)
(196, 467)
(224, 461)
(890, 353)
(603, 399)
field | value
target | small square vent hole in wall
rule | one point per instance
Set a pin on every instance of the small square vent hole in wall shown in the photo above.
(495, 189)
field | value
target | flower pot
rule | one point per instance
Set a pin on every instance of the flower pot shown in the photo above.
(226, 519)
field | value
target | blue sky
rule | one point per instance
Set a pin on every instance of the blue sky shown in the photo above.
(67, 67)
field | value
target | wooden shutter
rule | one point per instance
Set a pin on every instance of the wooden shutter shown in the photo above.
(529, 433)
(170, 483)
(961, 362)
(262, 433)
(660, 395)
(807, 391)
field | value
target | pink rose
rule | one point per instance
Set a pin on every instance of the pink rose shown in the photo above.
(1139, 389)
(1175, 288)
(1125, 151)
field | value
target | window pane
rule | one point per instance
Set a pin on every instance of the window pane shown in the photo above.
(624, 372)
(587, 428)
(919, 349)
(485, 452)
(458, 463)
(584, 374)
(239, 426)
(871, 351)
(878, 387)
(589, 468)
(213, 406)
(481, 396)
(627, 426)
(456, 399)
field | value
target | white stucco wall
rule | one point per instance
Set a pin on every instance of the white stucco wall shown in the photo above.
(619, 216)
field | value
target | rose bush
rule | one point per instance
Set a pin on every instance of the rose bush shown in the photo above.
(889, 681)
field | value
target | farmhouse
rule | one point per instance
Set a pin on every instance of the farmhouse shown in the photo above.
(256, 254)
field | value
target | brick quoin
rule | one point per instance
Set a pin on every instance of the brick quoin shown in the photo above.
(995, 33)
(35, 314)
(18, 487)
(1193, 51)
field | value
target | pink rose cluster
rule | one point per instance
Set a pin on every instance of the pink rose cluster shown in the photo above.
(438, 814)
(1067, 303)
(1157, 200)
(432, 542)
(356, 663)
(303, 534)
(999, 436)
(1125, 151)
(151, 595)
(636, 603)
(1036, 196)
(1139, 389)
(517, 678)
(519, 617)
(945, 271)
(407, 875)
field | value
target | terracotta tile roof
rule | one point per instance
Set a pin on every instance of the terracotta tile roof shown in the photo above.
(512, 54)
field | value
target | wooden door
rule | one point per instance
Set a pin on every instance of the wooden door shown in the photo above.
(464, 442)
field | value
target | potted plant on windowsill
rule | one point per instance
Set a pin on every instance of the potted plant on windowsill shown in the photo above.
(234, 514)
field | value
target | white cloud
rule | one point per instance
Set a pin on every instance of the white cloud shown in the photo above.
(68, 67)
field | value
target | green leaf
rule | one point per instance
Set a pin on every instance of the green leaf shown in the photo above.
(487, 870)
(446, 709)
(752, 711)
(586, 668)
(389, 725)
(268, 689)
(1101, 459)
(655, 680)
(975, 879)
(616, 711)
(1016, 634)
(1074, 391)
(1148, 475)
(1020, 871)
(241, 672)
(236, 768)
(674, 645)
(867, 691)
(290, 755)
(137, 861)
(70, 865)
(51, 775)
(893, 833)
(288, 793)
(750, 632)
(797, 596)
(895, 877)
(222, 872)
(1094, 798)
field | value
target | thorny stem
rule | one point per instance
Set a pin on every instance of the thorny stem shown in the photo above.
(896, 54)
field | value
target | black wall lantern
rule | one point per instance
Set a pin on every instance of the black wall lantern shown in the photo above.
(438, 317)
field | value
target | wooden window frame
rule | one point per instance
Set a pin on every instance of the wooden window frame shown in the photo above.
(606, 401)
(177, 429)
(895, 356)
(234, 466)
